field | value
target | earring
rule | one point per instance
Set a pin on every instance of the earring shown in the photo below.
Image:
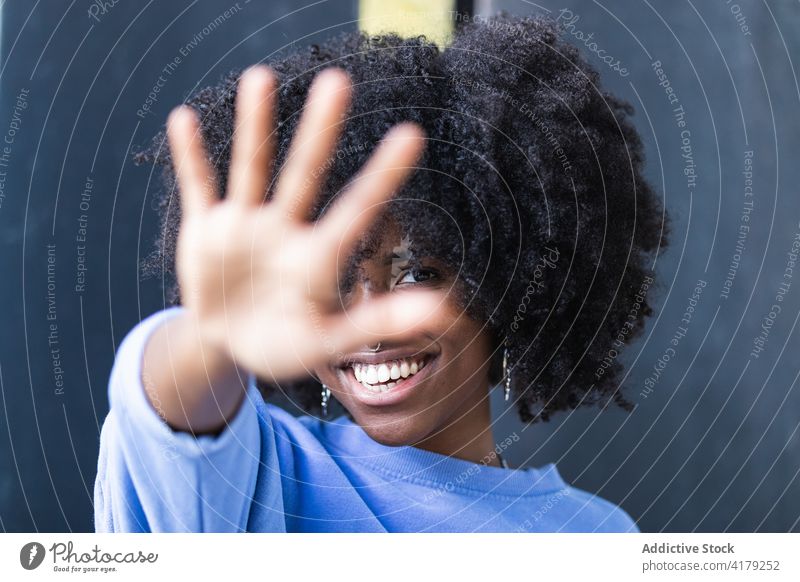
(326, 395)
(506, 374)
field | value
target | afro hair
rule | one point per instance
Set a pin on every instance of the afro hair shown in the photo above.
(530, 188)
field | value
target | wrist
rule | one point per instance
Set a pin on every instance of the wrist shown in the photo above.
(198, 383)
(204, 341)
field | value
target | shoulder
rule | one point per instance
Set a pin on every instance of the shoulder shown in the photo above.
(300, 432)
(283, 419)
(592, 513)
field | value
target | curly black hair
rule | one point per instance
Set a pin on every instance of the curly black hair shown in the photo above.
(530, 187)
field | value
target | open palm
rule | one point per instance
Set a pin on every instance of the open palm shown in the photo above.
(259, 277)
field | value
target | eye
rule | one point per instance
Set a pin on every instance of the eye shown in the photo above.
(416, 275)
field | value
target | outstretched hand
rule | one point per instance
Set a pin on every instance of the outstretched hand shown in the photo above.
(259, 277)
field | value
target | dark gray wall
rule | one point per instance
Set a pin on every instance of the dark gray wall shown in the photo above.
(715, 446)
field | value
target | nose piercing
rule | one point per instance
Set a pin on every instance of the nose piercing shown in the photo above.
(376, 348)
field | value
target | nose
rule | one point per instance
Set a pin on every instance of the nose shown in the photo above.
(367, 289)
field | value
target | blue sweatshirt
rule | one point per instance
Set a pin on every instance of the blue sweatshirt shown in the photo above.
(269, 471)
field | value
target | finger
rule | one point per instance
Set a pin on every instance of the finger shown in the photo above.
(347, 220)
(196, 178)
(254, 140)
(313, 143)
(395, 317)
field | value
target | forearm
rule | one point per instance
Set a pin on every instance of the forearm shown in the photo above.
(192, 386)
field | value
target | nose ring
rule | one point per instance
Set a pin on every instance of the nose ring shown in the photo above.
(376, 348)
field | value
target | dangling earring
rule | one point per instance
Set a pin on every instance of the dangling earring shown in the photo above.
(506, 373)
(326, 395)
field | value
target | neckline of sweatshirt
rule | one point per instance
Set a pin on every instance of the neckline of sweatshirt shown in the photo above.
(349, 443)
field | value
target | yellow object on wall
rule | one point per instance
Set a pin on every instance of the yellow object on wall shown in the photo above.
(433, 18)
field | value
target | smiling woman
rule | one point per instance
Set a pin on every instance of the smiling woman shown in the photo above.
(436, 378)
(456, 216)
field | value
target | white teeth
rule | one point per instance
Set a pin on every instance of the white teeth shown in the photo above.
(383, 373)
(379, 378)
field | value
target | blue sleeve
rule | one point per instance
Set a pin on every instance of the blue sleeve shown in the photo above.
(151, 478)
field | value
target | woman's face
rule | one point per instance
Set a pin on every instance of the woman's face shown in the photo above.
(407, 391)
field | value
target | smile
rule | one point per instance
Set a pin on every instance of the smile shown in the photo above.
(389, 382)
(387, 375)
